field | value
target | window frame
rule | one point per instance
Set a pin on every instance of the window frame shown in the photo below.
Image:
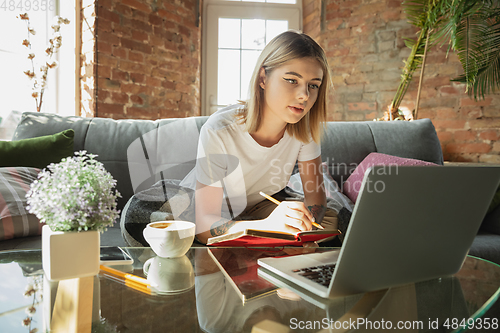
(69, 59)
(215, 9)
(58, 101)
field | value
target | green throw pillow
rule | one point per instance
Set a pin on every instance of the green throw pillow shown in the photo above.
(37, 152)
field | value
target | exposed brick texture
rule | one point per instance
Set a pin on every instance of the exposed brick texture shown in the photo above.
(364, 42)
(148, 56)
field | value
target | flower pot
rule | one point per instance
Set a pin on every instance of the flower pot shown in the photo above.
(67, 255)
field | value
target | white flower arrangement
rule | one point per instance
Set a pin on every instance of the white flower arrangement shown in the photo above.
(55, 42)
(74, 195)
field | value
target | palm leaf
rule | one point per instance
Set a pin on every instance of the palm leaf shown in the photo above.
(477, 43)
(471, 28)
(487, 71)
(426, 15)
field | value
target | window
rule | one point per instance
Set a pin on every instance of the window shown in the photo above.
(235, 32)
(15, 87)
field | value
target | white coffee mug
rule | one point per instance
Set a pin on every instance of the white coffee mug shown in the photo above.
(169, 275)
(170, 239)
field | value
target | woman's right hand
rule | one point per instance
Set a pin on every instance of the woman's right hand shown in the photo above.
(290, 216)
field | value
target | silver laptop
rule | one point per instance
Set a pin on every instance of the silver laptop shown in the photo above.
(409, 224)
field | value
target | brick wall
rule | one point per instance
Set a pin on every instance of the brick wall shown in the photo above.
(148, 56)
(364, 43)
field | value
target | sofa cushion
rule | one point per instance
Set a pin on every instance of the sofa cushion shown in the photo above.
(37, 152)
(15, 221)
(485, 246)
(491, 222)
(495, 202)
(345, 144)
(122, 145)
(352, 185)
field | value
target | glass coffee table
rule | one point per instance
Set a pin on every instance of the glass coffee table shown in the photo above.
(222, 291)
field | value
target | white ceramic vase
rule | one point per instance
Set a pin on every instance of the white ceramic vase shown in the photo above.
(68, 255)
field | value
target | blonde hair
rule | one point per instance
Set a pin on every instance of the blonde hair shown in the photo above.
(288, 46)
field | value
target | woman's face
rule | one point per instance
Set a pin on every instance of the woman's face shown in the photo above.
(291, 90)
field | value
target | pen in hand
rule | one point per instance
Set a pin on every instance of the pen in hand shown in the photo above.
(270, 198)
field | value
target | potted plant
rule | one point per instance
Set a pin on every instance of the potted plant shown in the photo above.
(75, 200)
(471, 27)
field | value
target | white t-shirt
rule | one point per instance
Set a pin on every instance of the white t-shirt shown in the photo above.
(229, 156)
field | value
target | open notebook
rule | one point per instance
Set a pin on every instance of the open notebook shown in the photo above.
(409, 224)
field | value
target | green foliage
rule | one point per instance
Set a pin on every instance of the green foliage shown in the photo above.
(471, 28)
(74, 195)
(477, 43)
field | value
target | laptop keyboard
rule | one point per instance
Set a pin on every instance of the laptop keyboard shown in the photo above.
(321, 274)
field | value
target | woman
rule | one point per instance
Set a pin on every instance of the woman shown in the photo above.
(252, 147)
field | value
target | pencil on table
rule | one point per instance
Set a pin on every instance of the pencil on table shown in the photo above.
(128, 283)
(129, 280)
(270, 198)
(125, 276)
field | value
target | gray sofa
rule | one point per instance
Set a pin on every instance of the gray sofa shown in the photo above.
(170, 146)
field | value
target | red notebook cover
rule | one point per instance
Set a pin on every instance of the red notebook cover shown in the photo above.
(256, 238)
